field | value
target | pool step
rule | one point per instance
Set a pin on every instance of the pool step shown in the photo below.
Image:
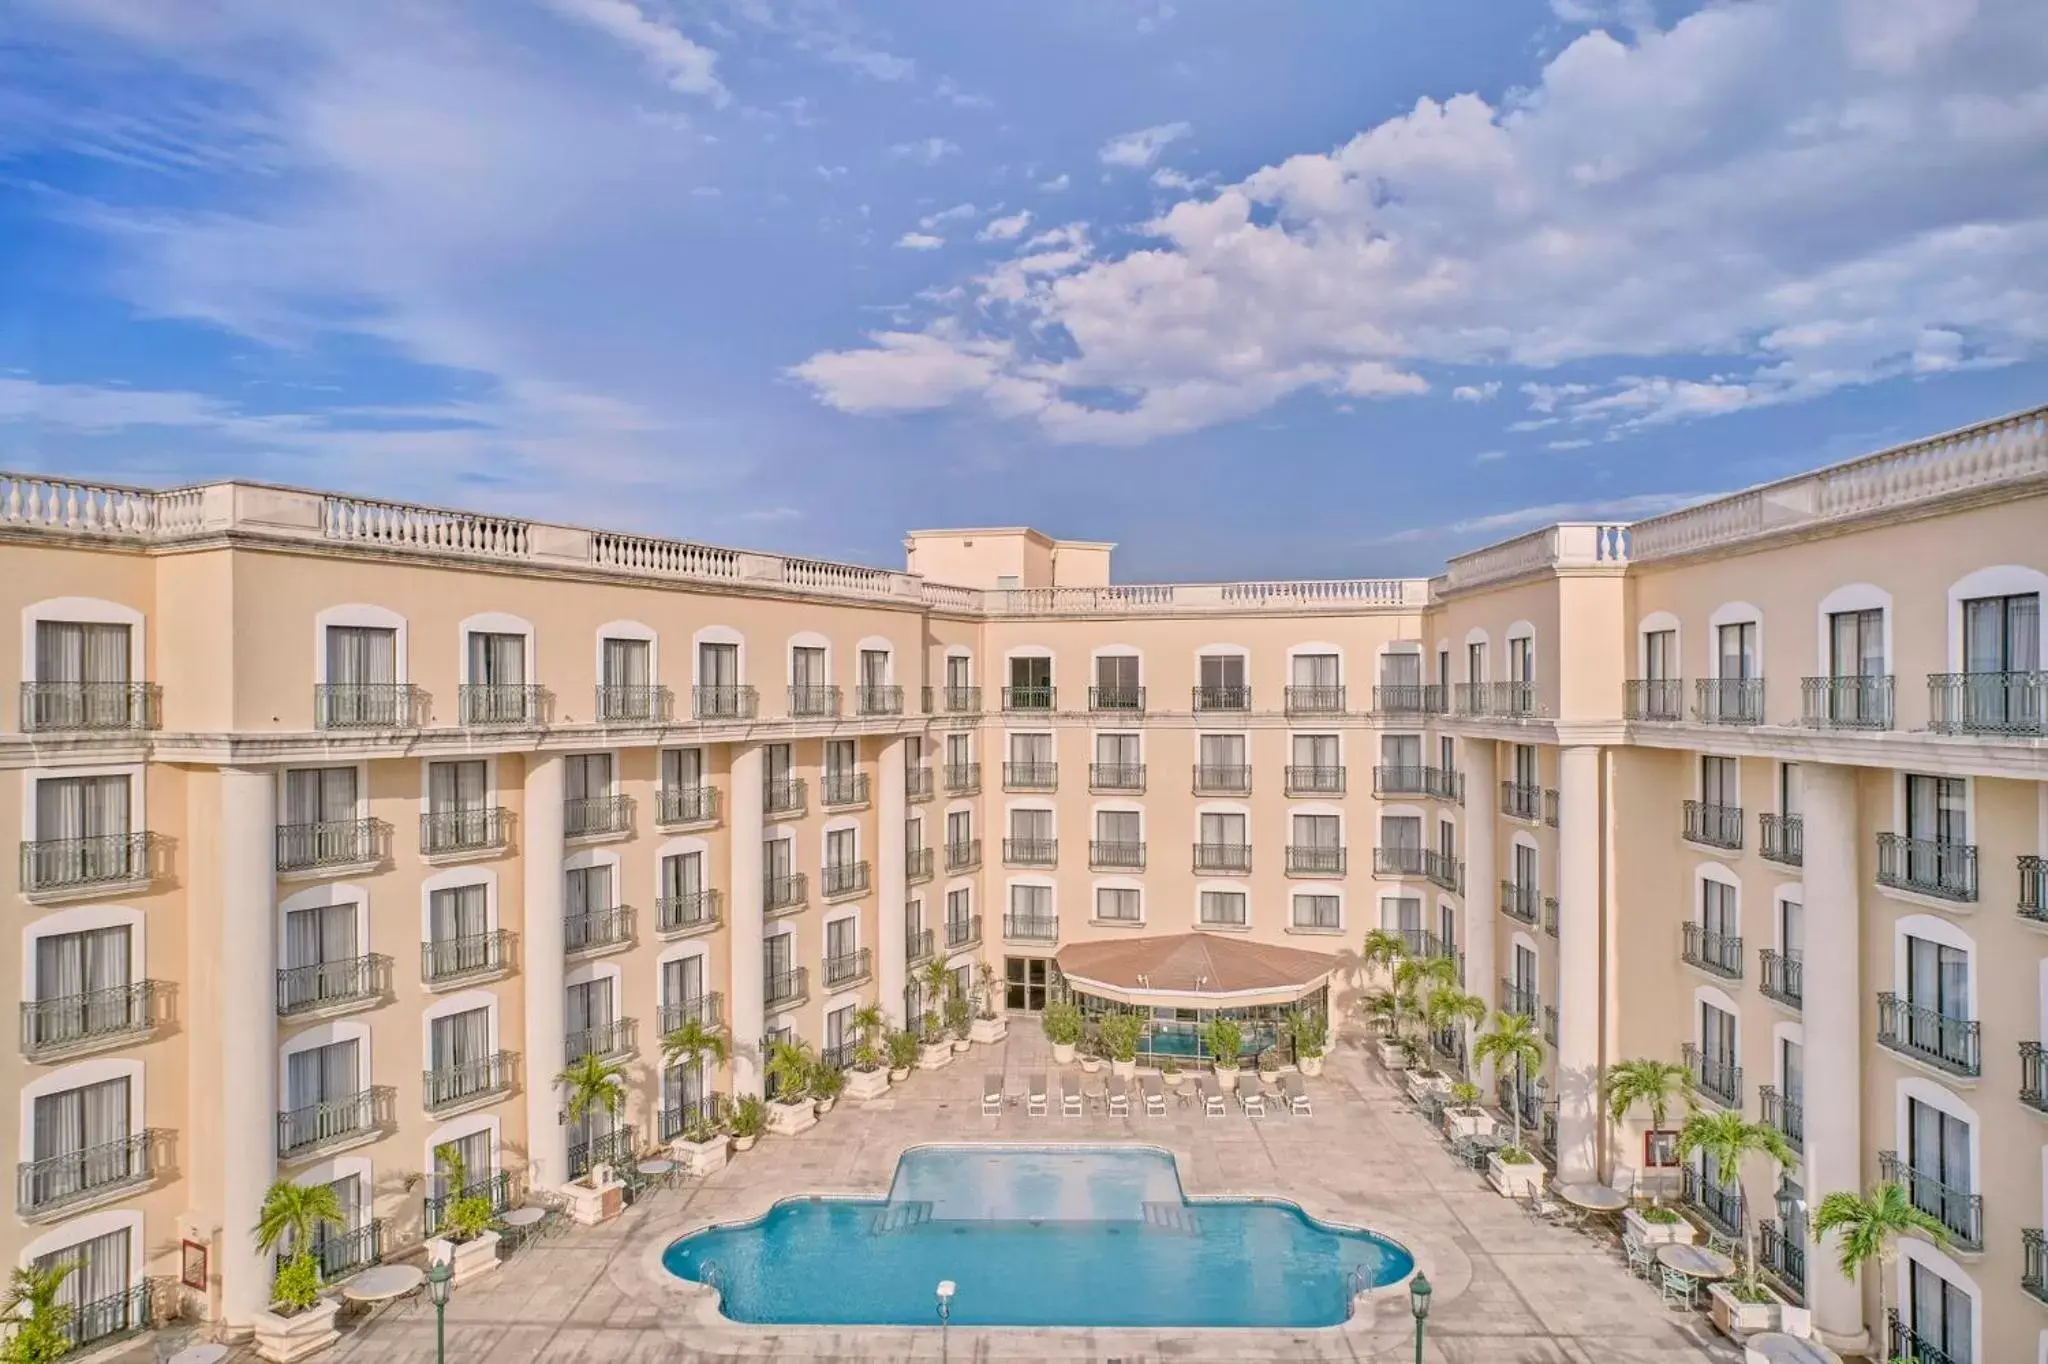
(1174, 1217)
(900, 1217)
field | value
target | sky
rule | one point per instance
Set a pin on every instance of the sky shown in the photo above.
(1292, 288)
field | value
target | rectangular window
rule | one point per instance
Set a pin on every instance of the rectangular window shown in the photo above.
(1937, 809)
(842, 847)
(1315, 670)
(1856, 644)
(1717, 909)
(1938, 1312)
(1118, 826)
(1317, 831)
(1034, 674)
(1525, 872)
(72, 651)
(682, 769)
(874, 668)
(456, 787)
(457, 912)
(1317, 911)
(1789, 802)
(1660, 655)
(682, 875)
(1526, 771)
(1223, 828)
(1521, 659)
(1475, 662)
(1031, 825)
(497, 660)
(1401, 912)
(1718, 781)
(1223, 907)
(1525, 974)
(72, 964)
(959, 906)
(1792, 1071)
(1447, 753)
(317, 1075)
(75, 1120)
(1318, 750)
(840, 757)
(839, 937)
(2002, 634)
(588, 890)
(778, 859)
(1221, 671)
(1116, 676)
(1397, 751)
(807, 668)
(718, 665)
(1031, 749)
(1443, 667)
(1401, 670)
(628, 663)
(1117, 750)
(959, 750)
(587, 776)
(1937, 977)
(959, 672)
(1221, 750)
(1400, 831)
(1031, 902)
(1117, 904)
(81, 807)
(459, 1039)
(1737, 645)
(959, 827)
(319, 795)
(1717, 1036)
(778, 762)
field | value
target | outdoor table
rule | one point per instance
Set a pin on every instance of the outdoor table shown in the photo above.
(659, 1168)
(1594, 1198)
(1696, 1262)
(381, 1284)
(1775, 1347)
(520, 1218)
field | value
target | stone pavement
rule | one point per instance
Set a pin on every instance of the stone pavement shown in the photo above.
(1508, 1291)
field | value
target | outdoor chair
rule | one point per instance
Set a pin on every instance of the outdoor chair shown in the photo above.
(1641, 1263)
(992, 1095)
(1296, 1094)
(1155, 1097)
(1679, 1288)
(1464, 1150)
(1721, 1243)
(1034, 1096)
(1119, 1097)
(1070, 1096)
(1543, 1209)
(1252, 1102)
(1212, 1094)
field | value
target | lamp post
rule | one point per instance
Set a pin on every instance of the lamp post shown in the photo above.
(946, 1290)
(440, 1276)
(1418, 1303)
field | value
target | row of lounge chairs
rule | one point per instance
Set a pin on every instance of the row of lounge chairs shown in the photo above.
(1293, 1095)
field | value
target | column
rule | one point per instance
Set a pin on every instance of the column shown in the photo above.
(547, 1140)
(892, 883)
(1832, 1011)
(247, 1004)
(744, 942)
(1577, 1087)
(1482, 921)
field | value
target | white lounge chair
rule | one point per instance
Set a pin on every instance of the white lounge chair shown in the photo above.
(992, 1095)
(1211, 1092)
(1119, 1097)
(1070, 1096)
(1297, 1095)
(1252, 1101)
(1034, 1097)
(1155, 1097)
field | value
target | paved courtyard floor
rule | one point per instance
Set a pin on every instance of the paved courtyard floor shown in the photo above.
(1508, 1290)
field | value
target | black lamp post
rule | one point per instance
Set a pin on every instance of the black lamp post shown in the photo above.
(440, 1276)
(1418, 1303)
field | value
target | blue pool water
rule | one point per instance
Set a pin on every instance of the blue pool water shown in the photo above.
(1037, 1236)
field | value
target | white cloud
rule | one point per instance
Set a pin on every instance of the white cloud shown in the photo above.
(947, 215)
(920, 241)
(1006, 229)
(686, 66)
(1489, 456)
(1166, 177)
(1574, 444)
(899, 372)
(1057, 183)
(949, 90)
(929, 150)
(763, 514)
(1476, 393)
(1140, 149)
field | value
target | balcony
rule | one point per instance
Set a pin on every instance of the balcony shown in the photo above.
(1717, 954)
(93, 1174)
(1397, 861)
(1521, 800)
(610, 1040)
(1314, 780)
(1927, 866)
(90, 707)
(1400, 781)
(618, 1147)
(1715, 826)
(331, 843)
(1233, 697)
(707, 1009)
(1654, 700)
(917, 865)
(1115, 854)
(1128, 778)
(848, 968)
(917, 784)
(780, 989)
(468, 1084)
(497, 1188)
(1028, 698)
(370, 706)
(813, 703)
(1443, 870)
(701, 1114)
(1408, 698)
(473, 829)
(2034, 1076)
(784, 796)
(1949, 1044)
(1442, 783)
(2034, 889)
(339, 1254)
(1782, 839)
(784, 894)
(88, 1020)
(724, 703)
(598, 930)
(1224, 779)
(1496, 700)
(1958, 1210)
(1783, 1258)
(1988, 703)
(878, 700)
(597, 816)
(679, 806)
(1550, 915)
(1518, 902)
(341, 984)
(1714, 1076)
(485, 704)
(1314, 860)
(841, 880)
(960, 700)
(1720, 1205)
(1781, 977)
(963, 856)
(843, 790)
(1031, 852)
(1225, 858)
(963, 779)
(1516, 998)
(69, 866)
(917, 946)
(680, 915)
(1031, 776)
(963, 932)
(621, 703)
(1031, 927)
(1845, 702)
(446, 961)
(1728, 700)
(2034, 1263)
(1788, 1116)
(322, 1127)
(1908, 1345)
(1120, 700)
(1316, 700)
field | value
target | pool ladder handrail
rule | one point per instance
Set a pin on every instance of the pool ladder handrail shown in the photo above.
(709, 1275)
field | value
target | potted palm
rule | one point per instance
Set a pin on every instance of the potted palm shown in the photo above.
(1383, 1008)
(467, 1242)
(1268, 1062)
(827, 1083)
(989, 1024)
(1310, 1032)
(42, 1324)
(1120, 1034)
(749, 1119)
(1867, 1227)
(936, 1048)
(1742, 1305)
(1090, 1052)
(1447, 1007)
(1224, 1039)
(591, 1084)
(958, 1021)
(791, 1068)
(700, 1147)
(1169, 1071)
(1063, 1028)
(1512, 1042)
(902, 1055)
(869, 1078)
(1464, 1116)
(299, 1322)
(1383, 948)
(1653, 1084)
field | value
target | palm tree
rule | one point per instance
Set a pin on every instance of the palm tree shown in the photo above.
(790, 1066)
(1417, 979)
(1382, 947)
(591, 1082)
(42, 1325)
(1512, 1041)
(1729, 1139)
(868, 1022)
(689, 1042)
(1651, 1082)
(936, 978)
(1870, 1225)
(292, 1215)
(1450, 1007)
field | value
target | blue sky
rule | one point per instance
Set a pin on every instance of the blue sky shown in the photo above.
(1322, 288)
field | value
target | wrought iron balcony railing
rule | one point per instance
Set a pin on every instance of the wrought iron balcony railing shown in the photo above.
(1516, 998)
(475, 954)
(1116, 853)
(1959, 1210)
(813, 702)
(1550, 915)
(1398, 860)
(1443, 783)
(1031, 776)
(707, 1009)
(691, 912)
(87, 1019)
(1029, 698)
(90, 707)
(676, 805)
(1550, 1024)
(1234, 696)
(1783, 1257)
(917, 783)
(1781, 976)
(2034, 1076)
(1714, 1076)
(1853, 702)
(837, 790)
(1408, 698)
(963, 779)
(1907, 1344)
(332, 984)
(963, 856)
(1314, 700)
(878, 699)
(1031, 852)
(613, 1038)
(843, 878)
(1786, 1114)
(1400, 781)
(1129, 700)
(1719, 1204)
(330, 843)
(1223, 779)
(1988, 703)
(960, 700)
(963, 932)
(1223, 857)
(598, 930)
(701, 1114)
(53, 865)
(316, 1125)
(1314, 780)
(618, 1147)
(502, 703)
(370, 705)
(591, 816)
(1314, 860)
(341, 1253)
(917, 946)
(1782, 839)
(45, 1186)
(497, 1188)
(2034, 888)
(1031, 927)
(780, 894)
(779, 988)
(1444, 870)
(1126, 777)
(465, 1082)
(1950, 1044)
(1518, 901)
(475, 828)
(1519, 800)
(2034, 1263)
(1717, 826)
(633, 703)
(1654, 699)
(1496, 700)
(917, 864)
(724, 703)
(848, 968)
(1719, 953)
(1728, 700)
(1928, 866)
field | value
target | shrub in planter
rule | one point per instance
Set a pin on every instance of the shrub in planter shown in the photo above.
(989, 1024)
(1170, 1072)
(1514, 1172)
(1063, 1028)
(749, 1120)
(957, 1015)
(1742, 1308)
(701, 1146)
(1224, 1039)
(902, 1055)
(1308, 1029)
(298, 1322)
(1120, 1034)
(42, 1325)
(1269, 1064)
(1658, 1226)
(792, 1068)
(1464, 1117)
(826, 1084)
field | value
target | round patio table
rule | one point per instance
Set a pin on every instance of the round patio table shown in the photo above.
(380, 1284)
(1697, 1262)
(1775, 1347)
(1592, 1197)
(521, 1218)
(659, 1168)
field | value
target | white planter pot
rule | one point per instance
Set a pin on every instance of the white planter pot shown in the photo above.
(1679, 1233)
(962, 1043)
(862, 1085)
(1226, 1076)
(1420, 1084)
(597, 1198)
(471, 1259)
(1091, 1064)
(825, 1105)
(1127, 1069)
(898, 1074)
(1392, 1055)
(1311, 1066)
(284, 1339)
(988, 1030)
(786, 1120)
(935, 1055)
(1514, 1181)
(745, 1143)
(699, 1158)
(1466, 1122)
(1739, 1319)
(1063, 1053)
(1172, 1081)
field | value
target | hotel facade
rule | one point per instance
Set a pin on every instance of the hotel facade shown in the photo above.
(345, 824)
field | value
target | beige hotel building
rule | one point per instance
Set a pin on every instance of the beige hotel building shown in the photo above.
(343, 824)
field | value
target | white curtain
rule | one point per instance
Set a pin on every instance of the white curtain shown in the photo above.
(461, 1038)
(1320, 670)
(88, 970)
(497, 660)
(682, 768)
(682, 875)
(626, 663)
(1400, 831)
(718, 665)
(100, 1273)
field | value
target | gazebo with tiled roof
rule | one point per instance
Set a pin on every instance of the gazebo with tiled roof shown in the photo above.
(1206, 972)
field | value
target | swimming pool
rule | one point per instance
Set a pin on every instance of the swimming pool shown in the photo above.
(1037, 1236)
